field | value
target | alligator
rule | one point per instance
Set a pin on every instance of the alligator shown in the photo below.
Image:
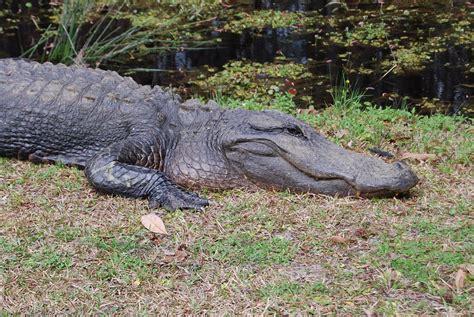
(139, 141)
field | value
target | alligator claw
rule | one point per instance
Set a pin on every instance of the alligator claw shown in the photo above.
(177, 198)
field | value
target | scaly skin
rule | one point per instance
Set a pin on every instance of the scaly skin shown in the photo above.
(141, 142)
(93, 119)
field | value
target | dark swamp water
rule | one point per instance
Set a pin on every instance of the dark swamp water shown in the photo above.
(402, 53)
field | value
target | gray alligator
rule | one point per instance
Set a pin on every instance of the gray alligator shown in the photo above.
(138, 141)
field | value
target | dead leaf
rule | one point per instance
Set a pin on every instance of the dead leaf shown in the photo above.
(154, 223)
(339, 134)
(340, 240)
(459, 279)
(418, 156)
(362, 233)
(448, 297)
(168, 259)
(181, 255)
(136, 283)
(369, 312)
(157, 240)
(309, 110)
(469, 268)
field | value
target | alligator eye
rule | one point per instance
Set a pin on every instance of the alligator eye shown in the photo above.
(294, 131)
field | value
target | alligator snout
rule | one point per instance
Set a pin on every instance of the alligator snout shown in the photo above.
(384, 179)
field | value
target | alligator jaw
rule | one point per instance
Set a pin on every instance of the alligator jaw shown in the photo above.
(342, 172)
(290, 177)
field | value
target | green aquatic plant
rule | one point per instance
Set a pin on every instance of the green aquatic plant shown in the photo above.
(463, 33)
(175, 28)
(192, 9)
(255, 81)
(407, 60)
(365, 33)
(261, 19)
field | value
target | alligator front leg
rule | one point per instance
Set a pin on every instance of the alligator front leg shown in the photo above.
(114, 170)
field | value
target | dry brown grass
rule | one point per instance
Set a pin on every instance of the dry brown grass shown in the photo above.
(67, 249)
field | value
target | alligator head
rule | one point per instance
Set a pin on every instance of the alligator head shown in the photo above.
(269, 149)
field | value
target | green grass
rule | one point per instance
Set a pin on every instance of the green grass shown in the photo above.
(93, 33)
(47, 258)
(421, 254)
(40, 258)
(106, 39)
(245, 248)
(286, 289)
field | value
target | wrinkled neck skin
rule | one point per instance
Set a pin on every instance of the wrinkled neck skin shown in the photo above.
(221, 149)
(195, 157)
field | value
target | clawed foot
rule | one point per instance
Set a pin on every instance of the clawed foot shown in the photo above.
(177, 198)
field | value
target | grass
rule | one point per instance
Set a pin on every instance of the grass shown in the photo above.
(96, 32)
(65, 248)
(106, 39)
(246, 248)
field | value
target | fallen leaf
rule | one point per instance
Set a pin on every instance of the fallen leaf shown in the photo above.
(339, 134)
(469, 268)
(381, 152)
(181, 255)
(168, 259)
(310, 110)
(362, 233)
(157, 240)
(340, 240)
(418, 156)
(459, 279)
(154, 223)
(369, 312)
(448, 296)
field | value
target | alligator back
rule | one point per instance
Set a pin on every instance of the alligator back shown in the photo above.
(58, 113)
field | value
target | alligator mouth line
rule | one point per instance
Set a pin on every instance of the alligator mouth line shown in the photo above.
(283, 153)
(350, 186)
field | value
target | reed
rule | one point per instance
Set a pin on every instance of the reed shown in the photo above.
(74, 41)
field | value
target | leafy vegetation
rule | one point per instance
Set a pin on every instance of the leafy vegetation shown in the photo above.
(259, 20)
(254, 81)
(369, 34)
(408, 60)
